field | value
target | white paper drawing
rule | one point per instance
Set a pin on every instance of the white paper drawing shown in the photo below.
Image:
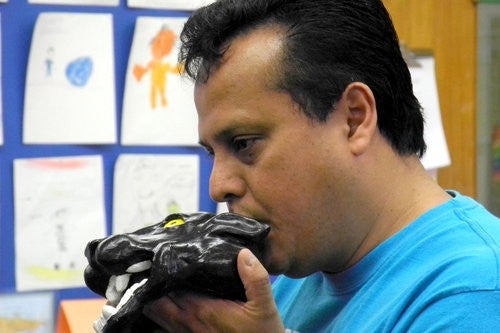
(158, 106)
(169, 4)
(425, 89)
(70, 84)
(27, 312)
(78, 2)
(59, 207)
(148, 187)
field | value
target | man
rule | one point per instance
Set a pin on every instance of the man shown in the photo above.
(308, 110)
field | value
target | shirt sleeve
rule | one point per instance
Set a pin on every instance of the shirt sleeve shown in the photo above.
(477, 311)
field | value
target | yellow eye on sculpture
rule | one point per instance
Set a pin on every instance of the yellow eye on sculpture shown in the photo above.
(174, 223)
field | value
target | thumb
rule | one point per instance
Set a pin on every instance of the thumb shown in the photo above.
(255, 279)
(260, 301)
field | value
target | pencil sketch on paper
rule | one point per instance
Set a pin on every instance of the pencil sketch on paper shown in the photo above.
(148, 187)
(160, 47)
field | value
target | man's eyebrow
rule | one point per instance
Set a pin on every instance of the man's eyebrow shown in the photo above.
(220, 137)
(225, 135)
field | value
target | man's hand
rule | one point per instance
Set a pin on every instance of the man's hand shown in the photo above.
(188, 313)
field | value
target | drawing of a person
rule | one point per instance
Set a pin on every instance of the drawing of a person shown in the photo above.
(161, 46)
(49, 61)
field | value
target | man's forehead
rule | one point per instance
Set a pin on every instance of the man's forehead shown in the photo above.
(257, 47)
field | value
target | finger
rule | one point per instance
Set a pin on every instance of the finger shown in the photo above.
(255, 279)
(177, 313)
(162, 309)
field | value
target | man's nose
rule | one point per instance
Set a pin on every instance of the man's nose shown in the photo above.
(226, 181)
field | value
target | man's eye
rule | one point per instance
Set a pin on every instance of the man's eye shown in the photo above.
(246, 148)
(242, 145)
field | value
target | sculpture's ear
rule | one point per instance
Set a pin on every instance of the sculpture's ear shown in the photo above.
(193, 218)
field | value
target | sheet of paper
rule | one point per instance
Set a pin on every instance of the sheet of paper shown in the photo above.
(169, 4)
(70, 84)
(425, 89)
(59, 207)
(27, 312)
(158, 106)
(78, 2)
(148, 187)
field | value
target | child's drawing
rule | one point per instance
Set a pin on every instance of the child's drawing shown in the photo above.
(49, 62)
(27, 312)
(78, 71)
(149, 187)
(153, 82)
(161, 46)
(70, 80)
(55, 219)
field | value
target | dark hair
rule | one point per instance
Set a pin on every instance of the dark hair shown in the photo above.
(328, 45)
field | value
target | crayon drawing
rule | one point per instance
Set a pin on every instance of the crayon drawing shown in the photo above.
(27, 313)
(158, 105)
(161, 46)
(70, 83)
(59, 207)
(78, 71)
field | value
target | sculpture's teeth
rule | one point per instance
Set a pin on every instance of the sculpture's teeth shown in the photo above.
(108, 311)
(99, 324)
(130, 292)
(140, 267)
(112, 294)
(122, 282)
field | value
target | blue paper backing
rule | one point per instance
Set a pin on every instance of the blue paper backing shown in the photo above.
(17, 20)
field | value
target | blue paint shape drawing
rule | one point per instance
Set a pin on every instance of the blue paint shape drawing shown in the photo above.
(79, 71)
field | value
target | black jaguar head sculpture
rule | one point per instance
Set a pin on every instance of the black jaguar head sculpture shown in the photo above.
(195, 252)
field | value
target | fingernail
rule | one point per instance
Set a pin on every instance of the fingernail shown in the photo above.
(251, 259)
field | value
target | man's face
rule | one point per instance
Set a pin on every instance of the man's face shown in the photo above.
(273, 163)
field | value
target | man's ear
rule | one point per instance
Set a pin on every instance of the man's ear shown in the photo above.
(361, 116)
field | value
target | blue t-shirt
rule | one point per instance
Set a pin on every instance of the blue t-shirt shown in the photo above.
(439, 274)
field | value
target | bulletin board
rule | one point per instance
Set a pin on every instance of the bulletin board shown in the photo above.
(18, 18)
